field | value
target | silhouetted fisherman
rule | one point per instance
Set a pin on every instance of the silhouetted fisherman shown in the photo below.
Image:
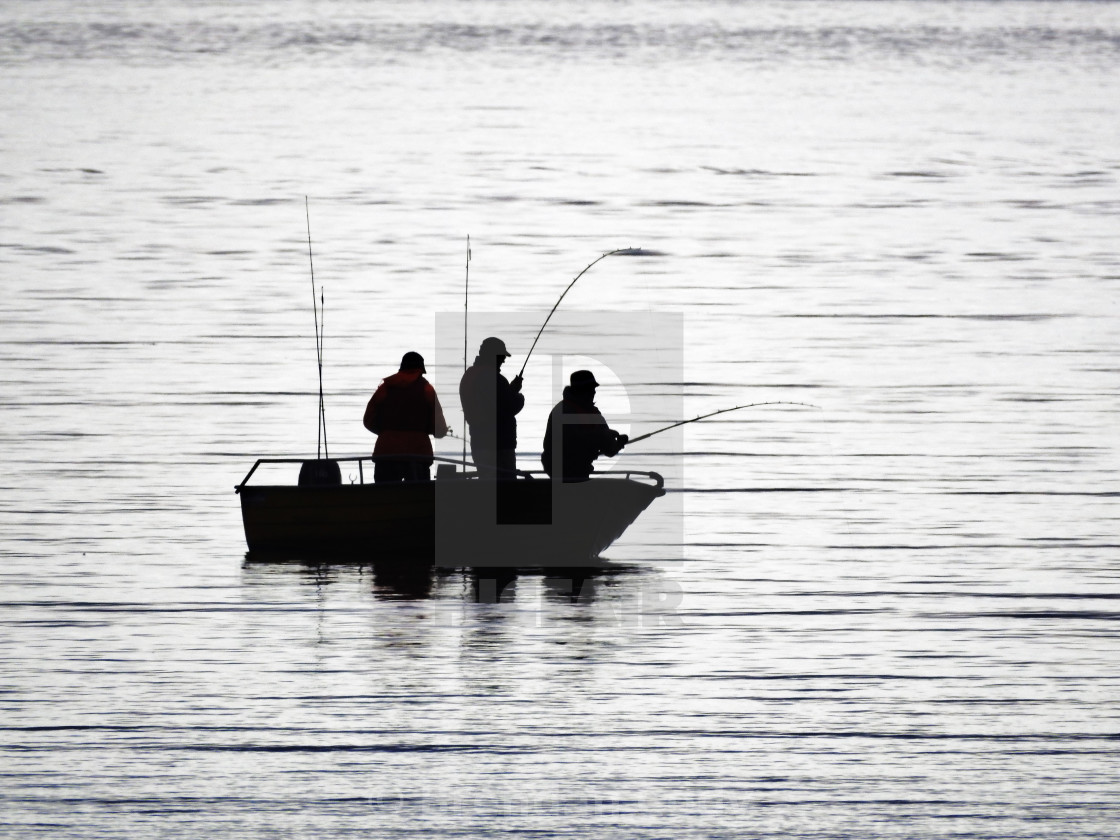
(491, 404)
(402, 412)
(581, 429)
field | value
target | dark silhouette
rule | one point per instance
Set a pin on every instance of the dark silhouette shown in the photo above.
(322, 472)
(582, 432)
(491, 404)
(403, 412)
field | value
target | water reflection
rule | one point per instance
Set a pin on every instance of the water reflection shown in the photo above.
(404, 581)
(390, 581)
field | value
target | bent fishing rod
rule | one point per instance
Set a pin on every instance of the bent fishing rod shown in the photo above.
(322, 419)
(713, 414)
(629, 252)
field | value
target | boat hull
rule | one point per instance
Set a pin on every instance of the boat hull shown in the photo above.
(456, 522)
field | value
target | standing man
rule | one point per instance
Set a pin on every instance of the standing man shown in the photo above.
(577, 433)
(402, 412)
(490, 404)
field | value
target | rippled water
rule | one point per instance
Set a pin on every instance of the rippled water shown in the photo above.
(894, 615)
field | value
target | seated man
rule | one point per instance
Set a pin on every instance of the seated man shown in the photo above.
(577, 433)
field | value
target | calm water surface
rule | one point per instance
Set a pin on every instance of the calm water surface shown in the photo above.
(896, 615)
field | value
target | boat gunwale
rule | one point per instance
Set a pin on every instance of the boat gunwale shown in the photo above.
(658, 482)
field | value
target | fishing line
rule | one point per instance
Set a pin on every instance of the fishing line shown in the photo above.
(713, 414)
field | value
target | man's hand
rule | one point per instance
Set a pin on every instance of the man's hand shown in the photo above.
(516, 383)
(614, 443)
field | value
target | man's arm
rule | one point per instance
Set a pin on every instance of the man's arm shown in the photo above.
(439, 422)
(370, 420)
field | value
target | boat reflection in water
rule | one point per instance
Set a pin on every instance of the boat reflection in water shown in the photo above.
(457, 521)
(451, 589)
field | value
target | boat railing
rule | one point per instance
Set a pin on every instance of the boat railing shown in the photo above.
(442, 473)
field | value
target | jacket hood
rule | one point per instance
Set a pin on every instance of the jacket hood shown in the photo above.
(403, 378)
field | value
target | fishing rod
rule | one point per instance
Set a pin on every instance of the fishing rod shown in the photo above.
(630, 252)
(713, 414)
(321, 442)
(466, 297)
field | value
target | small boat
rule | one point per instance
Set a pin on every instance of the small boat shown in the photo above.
(457, 520)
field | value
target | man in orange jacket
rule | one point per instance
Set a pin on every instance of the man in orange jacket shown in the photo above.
(403, 412)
